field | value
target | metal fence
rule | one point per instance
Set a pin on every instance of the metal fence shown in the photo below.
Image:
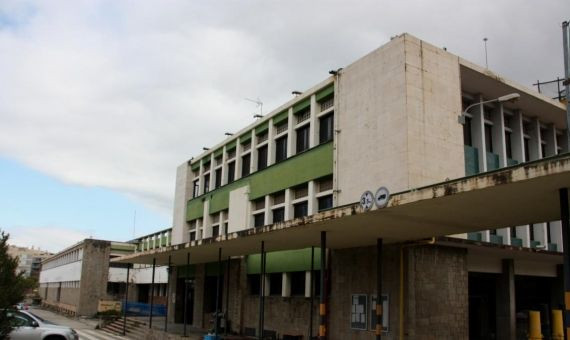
(143, 309)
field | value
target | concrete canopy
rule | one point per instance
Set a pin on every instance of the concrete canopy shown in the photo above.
(478, 80)
(518, 195)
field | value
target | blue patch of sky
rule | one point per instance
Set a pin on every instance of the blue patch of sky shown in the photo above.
(29, 198)
(16, 16)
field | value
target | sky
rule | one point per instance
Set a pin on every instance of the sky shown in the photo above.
(101, 100)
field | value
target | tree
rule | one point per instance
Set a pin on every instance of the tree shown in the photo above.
(13, 285)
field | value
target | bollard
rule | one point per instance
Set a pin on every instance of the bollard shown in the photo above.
(534, 332)
(557, 325)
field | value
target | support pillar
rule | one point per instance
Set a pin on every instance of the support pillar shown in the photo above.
(126, 301)
(505, 303)
(322, 305)
(151, 293)
(379, 289)
(227, 314)
(168, 269)
(564, 217)
(261, 291)
(217, 310)
(311, 293)
(186, 292)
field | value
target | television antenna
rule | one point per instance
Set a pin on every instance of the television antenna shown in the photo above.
(258, 103)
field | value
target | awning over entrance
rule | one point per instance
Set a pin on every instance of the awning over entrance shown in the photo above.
(512, 196)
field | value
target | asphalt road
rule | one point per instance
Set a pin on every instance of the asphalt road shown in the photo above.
(85, 328)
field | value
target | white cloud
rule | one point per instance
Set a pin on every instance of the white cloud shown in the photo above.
(116, 94)
(52, 239)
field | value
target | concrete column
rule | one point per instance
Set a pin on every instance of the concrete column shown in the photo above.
(486, 236)
(291, 136)
(268, 218)
(505, 233)
(270, 144)
(212, 172)
(499, 145)
(313, 131)
(307, 283)
(172, 294)
(534, 148)
(556, 235)
(267, 291)
(517, 137)
(539, 233)
(201, 179)
(505, 302)
(286, 285)
(207, 221)
(550, 139)
(311, 199)
(224, 167)
(523, 232)
(199, 282)
(253, 153)
(478, 134)
(239, 152)
(288, 205)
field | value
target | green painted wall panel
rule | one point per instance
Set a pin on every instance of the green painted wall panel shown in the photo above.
(195, 166)
(262, 128)
(312, 164)
(301, 105)
(315, 163)
(285, 261)
(471, 160)
(324, 93)
(218, 152)
(280, 117)
(194, 209)
(511, 162)
(220, 199)
(186, 271)
(231, 145)
(246, 137)
(207, 159)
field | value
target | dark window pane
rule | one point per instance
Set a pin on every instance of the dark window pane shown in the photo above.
(301, 209)
(262, 158)
(206, 183)
(193, 236)
(218, 182)
(281, 149)
(245, 163)
(259, 220)
(253, 283)
(278, 215)
(489, 138)
(526, 150)
(196, 189)
(298, 283)
(302, 138)
(275, 283)
(325, 202)
(215, 231)
(467, 132)
(326, 129)
(231, 172)
(508, 144)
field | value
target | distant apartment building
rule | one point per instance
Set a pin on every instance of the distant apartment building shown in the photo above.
(78, 278)
(29, 259)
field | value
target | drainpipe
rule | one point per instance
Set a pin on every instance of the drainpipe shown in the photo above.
(419, 243)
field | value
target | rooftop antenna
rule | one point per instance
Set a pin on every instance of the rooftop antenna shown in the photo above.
(486, 60)
(259, 104)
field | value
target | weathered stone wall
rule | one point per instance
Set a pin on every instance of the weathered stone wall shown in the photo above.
(94, 275)
(437, 294)
(353, 271)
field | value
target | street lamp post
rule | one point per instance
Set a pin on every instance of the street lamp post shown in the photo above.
(511, 97)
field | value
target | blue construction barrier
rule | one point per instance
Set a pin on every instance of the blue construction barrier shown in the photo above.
(143, 309)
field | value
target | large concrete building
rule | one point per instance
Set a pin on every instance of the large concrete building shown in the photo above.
(79, 278)
(29, 259)
(394, 118)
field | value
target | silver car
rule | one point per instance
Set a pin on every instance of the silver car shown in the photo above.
(28, 326)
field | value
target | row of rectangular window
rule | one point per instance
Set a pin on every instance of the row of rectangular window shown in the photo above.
(302, 144)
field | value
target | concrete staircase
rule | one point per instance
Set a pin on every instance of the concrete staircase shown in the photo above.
(135, 329)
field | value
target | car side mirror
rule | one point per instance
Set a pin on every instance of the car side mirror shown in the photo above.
(35, 324)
